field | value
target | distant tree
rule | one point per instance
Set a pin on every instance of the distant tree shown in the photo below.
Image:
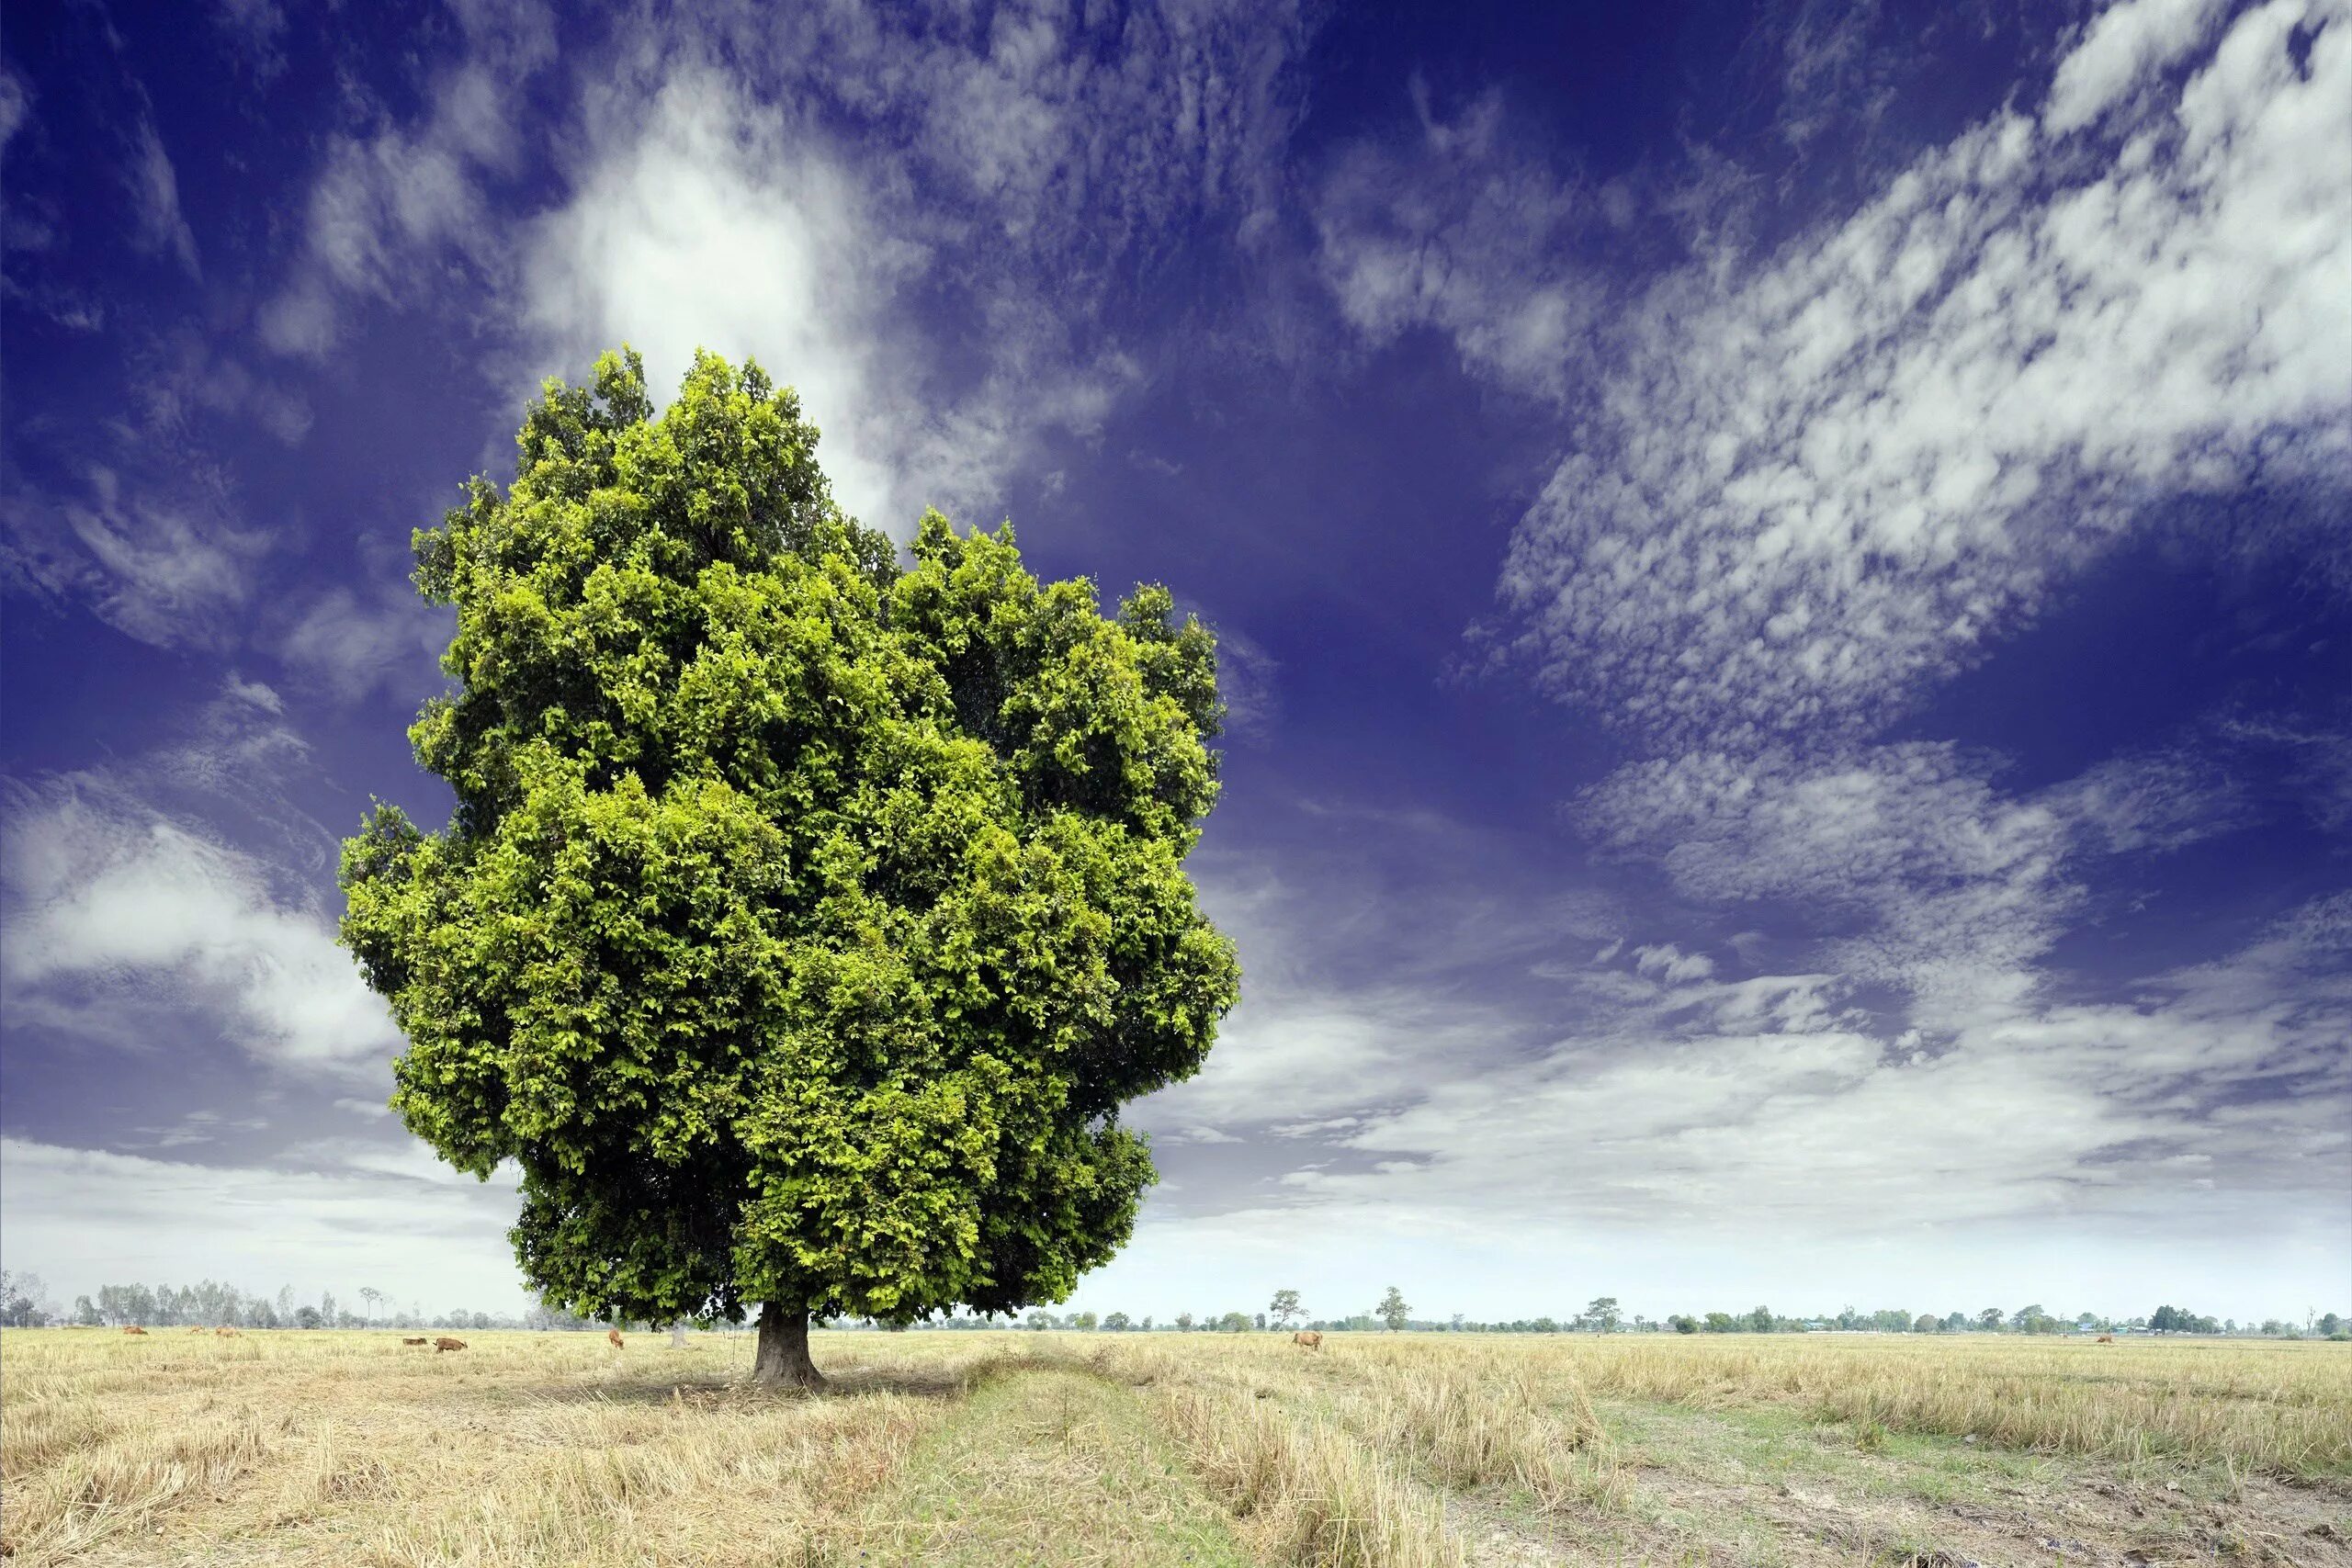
(372, 1296)
(85, 1313)
(1955, 1322)
(1183, 1323)
(1146, 1323)
(1545, 1326)
(307, 1316)
(1760, 1320)
(1990, 1319)
(1392, 1310)
(1234, 1322)
(2165, 1320)
(2330, 1324)
(285, 1303)
(1682, 1323)
(24, 1300)
(1039, 1319)
(1721, 1323)
(805, 919)
(1602, 1314)
(1118, 1322)
(1085, 1321)
(1284, 1307)
(2022, 1319)
(1926, 1323)
(327, 1313)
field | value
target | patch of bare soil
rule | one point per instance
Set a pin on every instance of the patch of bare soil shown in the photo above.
(2085, 1515)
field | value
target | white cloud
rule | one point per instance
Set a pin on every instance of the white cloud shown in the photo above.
(390, 207)
(171, 571)
(1801, 492)
(86, 1217)
(2065, 1111)
(120, 919)
(1468, 238)
(161, 227)
(706, 225)
(352, 646)
(2126, 45)
(1670, 963)
(930, 271)
(1926, 877)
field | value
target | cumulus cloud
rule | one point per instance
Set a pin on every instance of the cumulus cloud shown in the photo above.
(130, 912)
(707, 224)
(119, 917)
(1801, 491)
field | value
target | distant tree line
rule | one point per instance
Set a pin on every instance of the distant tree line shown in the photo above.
(25, 1303)
(1603, 1317)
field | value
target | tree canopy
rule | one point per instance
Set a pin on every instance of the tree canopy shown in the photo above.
(805, 918)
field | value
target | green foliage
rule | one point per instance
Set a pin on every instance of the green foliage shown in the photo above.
(804, 922)
(1284, 1306)
(1391, 1309)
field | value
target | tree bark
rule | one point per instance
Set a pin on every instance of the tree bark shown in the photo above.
(782, 1360)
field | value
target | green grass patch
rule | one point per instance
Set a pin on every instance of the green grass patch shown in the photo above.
(1047, 1468)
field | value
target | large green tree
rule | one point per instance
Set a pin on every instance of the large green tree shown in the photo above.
(805, 918)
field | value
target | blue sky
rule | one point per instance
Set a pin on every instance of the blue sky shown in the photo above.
(1783, 577)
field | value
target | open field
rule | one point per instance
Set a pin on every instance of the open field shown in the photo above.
(1401, 1451)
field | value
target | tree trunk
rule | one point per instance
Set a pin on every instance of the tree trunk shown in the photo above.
(782, 1360)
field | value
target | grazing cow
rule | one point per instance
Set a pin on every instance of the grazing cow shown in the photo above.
(615, 1336)
(225, 1332)
(134, 1328)
(2107, 1338)
(1307, 1339)
(197, 1329)
(420, 1339)
(445, 1343)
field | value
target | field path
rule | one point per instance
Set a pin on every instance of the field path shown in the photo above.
(1047, 1467)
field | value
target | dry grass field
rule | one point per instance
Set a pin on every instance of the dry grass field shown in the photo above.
(1404, 1452)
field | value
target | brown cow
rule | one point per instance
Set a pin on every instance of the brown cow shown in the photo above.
(197, 1329)
(134, 1328)
(615, 1336)
(420, 1339)
(225, 1332)
(1307, 1339)
(445, 1343)
(2107, 1338)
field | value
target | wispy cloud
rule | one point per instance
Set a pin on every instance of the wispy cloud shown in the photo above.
(1803, 490)
(393, 205)
(154, 188)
